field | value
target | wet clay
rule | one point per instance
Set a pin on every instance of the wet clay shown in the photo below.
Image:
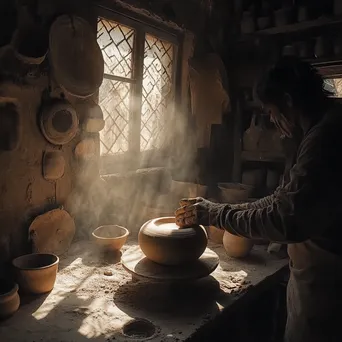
(163, 242)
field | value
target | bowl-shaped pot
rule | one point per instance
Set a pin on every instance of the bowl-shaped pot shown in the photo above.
(163, 242)
(236, 246)
(36, 273)
(9, 298)
(111, 237)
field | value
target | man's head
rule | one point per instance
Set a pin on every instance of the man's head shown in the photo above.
(291, 91)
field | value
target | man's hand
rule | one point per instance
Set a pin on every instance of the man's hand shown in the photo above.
(197, 211)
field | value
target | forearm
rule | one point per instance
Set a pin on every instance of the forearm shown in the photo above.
(259, 204)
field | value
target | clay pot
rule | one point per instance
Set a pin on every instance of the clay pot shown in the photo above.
(110, 237)
(253, 177)
(236, 246)
(9, 298)
(36, 273)
(188, 190)
(163, 242)
(215, 235)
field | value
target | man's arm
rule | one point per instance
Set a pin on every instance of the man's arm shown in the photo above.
(308, 204)
(259, 204)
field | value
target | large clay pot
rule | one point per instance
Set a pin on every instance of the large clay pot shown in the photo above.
(36, 273)
(236, 246)
(9, 298)
(163, 242)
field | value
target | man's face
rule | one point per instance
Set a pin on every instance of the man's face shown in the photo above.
(280, 119)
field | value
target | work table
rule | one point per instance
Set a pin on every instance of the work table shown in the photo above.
(94, 297)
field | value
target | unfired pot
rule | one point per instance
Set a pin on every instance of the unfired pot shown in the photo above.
(36, 273)
(9, 298)
(110, 237)
(163, 242)
(236, 246)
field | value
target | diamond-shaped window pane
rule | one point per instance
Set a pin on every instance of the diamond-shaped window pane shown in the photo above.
(116, 42)
(157, 91)
(114, 100)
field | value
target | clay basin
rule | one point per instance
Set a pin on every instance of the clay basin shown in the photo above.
(9, 298)
(163, 242)
(236, 246)
(110, 237)
(36, 273)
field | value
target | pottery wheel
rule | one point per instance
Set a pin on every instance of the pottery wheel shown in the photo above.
(135, 262)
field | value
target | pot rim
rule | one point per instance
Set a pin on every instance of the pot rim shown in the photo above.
(110, 238)
(56, 262)
(14, 289)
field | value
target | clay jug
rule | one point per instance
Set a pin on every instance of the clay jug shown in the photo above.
(236, 246)
(163, 242)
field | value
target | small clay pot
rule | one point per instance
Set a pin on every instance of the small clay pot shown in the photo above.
(236, 246)
(110, 237)
(215, 235)
(163, 242)
(36, 273)
(9, 298)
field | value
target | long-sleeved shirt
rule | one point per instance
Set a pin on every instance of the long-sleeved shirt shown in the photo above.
(309, 206)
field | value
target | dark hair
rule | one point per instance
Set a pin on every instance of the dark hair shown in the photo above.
(295, 77)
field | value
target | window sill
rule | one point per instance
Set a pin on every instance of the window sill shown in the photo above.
(125, 162)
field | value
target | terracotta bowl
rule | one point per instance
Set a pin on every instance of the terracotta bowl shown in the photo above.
(36, 273)
(110, 237)
(215, 234)
(236, 246)
(9, 298)
(163, 242)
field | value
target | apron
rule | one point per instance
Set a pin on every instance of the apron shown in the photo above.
(314, 295)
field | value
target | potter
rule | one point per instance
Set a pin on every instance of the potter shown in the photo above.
(304, 212)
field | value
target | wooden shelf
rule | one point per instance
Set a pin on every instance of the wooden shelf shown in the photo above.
(262, 157)
(295, 27)
(325, 62)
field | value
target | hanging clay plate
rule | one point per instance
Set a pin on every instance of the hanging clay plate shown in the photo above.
(93, 117)
(52, 232)
(59, 122)
(53, 165)
(9, 124)
(75, 56)
(86, 149)
(163, 242)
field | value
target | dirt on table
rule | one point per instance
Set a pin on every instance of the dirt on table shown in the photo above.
(94, 297)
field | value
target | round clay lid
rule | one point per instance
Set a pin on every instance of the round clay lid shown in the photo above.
(52, 232)
(75, 56)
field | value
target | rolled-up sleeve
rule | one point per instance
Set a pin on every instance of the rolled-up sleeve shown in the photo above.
(300, 210)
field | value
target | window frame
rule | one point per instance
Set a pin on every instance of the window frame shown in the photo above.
(134, 158)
